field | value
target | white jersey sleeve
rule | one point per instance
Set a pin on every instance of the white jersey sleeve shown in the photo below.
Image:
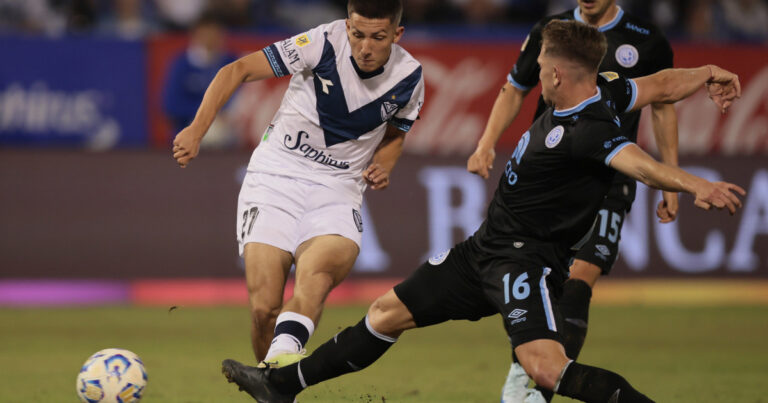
(298, 53)
(404, 118)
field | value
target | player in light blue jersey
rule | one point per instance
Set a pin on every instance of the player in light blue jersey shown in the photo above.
(353, 95)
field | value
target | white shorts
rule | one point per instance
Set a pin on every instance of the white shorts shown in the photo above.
(284, 212)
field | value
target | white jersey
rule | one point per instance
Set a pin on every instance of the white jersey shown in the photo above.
(334, 115)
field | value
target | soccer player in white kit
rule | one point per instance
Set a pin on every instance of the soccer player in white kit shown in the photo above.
(353, 95)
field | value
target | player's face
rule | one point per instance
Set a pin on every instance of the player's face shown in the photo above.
(371, 40)
(595, 8)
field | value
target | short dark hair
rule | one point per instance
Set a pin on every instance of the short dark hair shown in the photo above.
(392, 9)
(575, 41)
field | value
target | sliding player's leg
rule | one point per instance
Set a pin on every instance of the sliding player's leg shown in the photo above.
(596, 255)
(445, 288)
(546, 363)
(352, 349)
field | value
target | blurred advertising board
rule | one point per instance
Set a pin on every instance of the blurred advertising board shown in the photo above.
(463, 79)
(73, 92)
(135, 214)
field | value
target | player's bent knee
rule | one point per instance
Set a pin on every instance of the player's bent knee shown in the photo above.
(388, 315)
(543, 372)
(543, 360)
(543, 376)
(378, 314)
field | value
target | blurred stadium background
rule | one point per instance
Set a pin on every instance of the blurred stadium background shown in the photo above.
(94, 211)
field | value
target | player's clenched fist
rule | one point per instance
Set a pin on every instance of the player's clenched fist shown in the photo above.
(376, 176)
(481, 161)
(186, 145)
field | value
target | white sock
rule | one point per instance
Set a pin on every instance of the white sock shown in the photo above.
(292, 330)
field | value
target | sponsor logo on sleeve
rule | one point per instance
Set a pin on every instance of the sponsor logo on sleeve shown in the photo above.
(289, 51)
(303, 40)
(608, 143)
(609, 75)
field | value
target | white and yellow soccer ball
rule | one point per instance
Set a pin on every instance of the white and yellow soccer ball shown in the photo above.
(112, 375)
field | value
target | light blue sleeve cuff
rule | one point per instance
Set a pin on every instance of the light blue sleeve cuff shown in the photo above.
(403, 125)
(516, 84)
(616, 151)
(634, 95)
(275, 61)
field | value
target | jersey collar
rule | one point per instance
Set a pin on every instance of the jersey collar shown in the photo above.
(602, 28)
(579, 107)
(367, 74)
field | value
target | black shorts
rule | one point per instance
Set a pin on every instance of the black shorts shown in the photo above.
(465, 283)
(602, 246)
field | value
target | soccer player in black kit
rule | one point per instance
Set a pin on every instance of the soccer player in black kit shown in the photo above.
(515, 264)
(635, 48)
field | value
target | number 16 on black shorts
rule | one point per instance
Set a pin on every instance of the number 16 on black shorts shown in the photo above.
(527, 301)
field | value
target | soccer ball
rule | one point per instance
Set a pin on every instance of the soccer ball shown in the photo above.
(112, 375)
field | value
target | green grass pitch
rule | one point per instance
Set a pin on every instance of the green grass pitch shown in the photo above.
(679, 354)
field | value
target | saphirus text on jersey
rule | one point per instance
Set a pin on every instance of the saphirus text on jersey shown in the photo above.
(311, 152)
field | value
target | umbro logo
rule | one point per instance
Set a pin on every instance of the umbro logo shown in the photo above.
(604, 250)
(517, 316)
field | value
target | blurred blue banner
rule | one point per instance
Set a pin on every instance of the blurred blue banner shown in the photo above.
(74, 92)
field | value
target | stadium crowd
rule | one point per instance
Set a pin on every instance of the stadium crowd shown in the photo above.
(692, 20)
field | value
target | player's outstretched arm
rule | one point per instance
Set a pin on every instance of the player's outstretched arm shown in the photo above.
(505, 110)
(635, 163)
(253, 67)
(384, 159)
(672, 85)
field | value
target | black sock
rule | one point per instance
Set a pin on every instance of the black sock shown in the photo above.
(597, 385)
(352, 349)
(574, 306)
